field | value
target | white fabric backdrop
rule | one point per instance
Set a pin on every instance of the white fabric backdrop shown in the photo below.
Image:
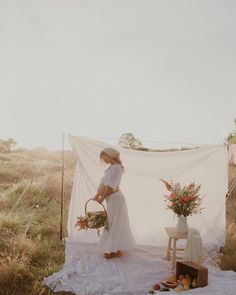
(144, 192)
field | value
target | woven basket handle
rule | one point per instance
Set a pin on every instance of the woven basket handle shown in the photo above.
(86, 204)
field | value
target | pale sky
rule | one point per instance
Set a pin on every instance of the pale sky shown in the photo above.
(163, 70)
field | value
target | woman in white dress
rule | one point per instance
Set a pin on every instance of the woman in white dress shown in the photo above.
(118, 236)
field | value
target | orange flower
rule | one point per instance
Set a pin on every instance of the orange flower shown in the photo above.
(183, 201)
(81, 224)
(172, 196)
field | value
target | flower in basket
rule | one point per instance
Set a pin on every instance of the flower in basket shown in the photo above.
(92, 220)
(183, 200)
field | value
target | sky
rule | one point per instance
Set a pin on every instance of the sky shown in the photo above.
(164, 70)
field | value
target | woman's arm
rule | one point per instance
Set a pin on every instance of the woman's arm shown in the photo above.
(107, 192)
(110, 182)
(100, 191)
(96, 197)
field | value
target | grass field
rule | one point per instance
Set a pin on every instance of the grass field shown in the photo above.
(227, 260)
(30, 249)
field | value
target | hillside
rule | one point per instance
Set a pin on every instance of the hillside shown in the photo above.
(30, 249)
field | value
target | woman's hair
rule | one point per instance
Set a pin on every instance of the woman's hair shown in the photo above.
(116, 157)
(119, 161)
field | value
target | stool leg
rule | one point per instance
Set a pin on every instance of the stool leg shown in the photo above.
(173, 254)
(168, 249)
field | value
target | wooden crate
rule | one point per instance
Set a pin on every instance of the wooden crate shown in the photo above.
(196, 271)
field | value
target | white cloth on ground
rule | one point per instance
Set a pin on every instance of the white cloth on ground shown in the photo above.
(87, 272)
(194, 248)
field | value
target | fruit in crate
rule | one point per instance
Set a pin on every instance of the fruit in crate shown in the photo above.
(170, 284)
(194, 283)
(197, 273)
(181, 277)
(179, 282)
(186, 287)
(186, 281)
(171, 278)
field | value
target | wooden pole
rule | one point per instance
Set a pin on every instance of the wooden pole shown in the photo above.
(62, 186)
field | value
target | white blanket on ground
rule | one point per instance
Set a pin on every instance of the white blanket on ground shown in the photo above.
(87, 273)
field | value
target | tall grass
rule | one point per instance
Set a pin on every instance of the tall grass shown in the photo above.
(30, 249)
(228, 256)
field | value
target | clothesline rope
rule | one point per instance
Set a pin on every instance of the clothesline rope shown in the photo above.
(150, 141)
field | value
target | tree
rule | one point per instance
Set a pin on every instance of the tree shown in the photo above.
(7, 145)
(232, 135)
(128, 141)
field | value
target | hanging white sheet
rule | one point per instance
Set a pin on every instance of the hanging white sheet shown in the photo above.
(144, 192)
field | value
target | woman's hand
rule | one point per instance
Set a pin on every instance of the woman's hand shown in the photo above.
(95, 198)
(100, 200)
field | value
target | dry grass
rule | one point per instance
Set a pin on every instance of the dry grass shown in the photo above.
(31, 250)
(15, 276)
(228, 256)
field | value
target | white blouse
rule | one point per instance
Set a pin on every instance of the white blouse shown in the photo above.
(112, 176)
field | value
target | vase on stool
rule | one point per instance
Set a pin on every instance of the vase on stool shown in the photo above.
(182, 226)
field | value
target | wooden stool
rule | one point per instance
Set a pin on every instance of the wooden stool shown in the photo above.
(171, 249)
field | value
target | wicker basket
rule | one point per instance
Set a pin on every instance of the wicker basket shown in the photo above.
(196, 271)
(94, 213)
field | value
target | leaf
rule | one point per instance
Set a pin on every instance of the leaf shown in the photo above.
(167, 184)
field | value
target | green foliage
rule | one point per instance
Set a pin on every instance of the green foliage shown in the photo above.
(128, 141)
(7, 145)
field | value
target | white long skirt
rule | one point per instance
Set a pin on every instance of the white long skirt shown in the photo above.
(118, 236)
